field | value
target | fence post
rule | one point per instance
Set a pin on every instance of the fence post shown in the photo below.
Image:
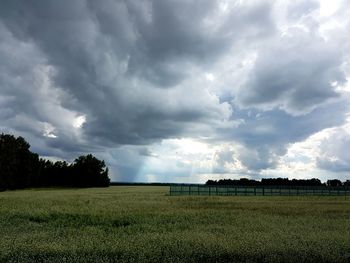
(263, 190)
(254, 190)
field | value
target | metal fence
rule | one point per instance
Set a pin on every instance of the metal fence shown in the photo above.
(206, 190)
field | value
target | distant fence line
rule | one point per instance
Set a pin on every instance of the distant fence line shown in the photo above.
(228, 190)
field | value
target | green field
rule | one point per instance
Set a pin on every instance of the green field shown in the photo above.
(145, 224)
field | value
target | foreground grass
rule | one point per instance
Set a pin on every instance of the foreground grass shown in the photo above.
(144, 224)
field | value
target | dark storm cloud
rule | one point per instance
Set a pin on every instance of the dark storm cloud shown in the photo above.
(107, 55)
(70, 39)
(295, 75)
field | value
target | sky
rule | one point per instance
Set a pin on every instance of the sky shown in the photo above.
(181, 90)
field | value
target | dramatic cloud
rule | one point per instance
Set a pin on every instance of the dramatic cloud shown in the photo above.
(290, 81)
(178, 90)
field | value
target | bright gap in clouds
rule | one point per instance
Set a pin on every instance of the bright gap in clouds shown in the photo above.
(49, 131)
(190, 160)
(184, 159)
(210, 76)
(190, 146)
(329, 7)
(79, 121)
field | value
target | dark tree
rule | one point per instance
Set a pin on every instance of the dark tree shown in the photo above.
(275, 181)
(267, 182)
(18, 166)
(334, 183)
(241, 182)
(55, 173)
(211, 182)
(89, 171)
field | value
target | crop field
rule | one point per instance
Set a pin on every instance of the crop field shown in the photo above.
(145, 224)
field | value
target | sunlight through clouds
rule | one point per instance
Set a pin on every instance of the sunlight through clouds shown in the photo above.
(79, 121)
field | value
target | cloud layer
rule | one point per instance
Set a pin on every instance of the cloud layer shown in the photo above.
(141, 84)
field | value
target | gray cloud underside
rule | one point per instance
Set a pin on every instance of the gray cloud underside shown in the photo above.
(110, 59)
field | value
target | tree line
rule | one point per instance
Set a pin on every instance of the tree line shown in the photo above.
(279, 181)
(21, 168)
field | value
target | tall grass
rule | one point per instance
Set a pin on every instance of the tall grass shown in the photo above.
(144, 224)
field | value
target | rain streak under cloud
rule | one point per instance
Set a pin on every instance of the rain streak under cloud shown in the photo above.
(181, 91)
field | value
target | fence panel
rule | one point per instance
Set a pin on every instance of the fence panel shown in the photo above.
(228, 190)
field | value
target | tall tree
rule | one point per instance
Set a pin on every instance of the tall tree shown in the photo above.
(18, 166)
(90, 171)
